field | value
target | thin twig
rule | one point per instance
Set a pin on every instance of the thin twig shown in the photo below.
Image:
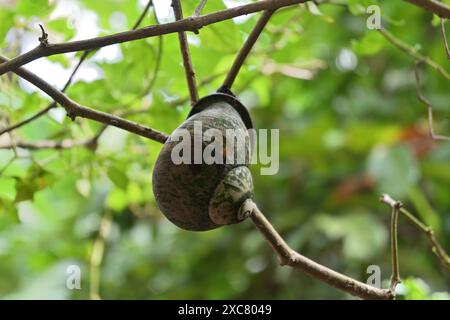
(199, 8)
(69, 81)
(289, 257)
(90, 143)
(192, 24)
(436, 247)
(74, 109)
(246, 48)
(413, 52)
(444, 38)
(52, 104)
(47, 144)
(28, 120)
(142, 16)
(10, 161)
(157, 63)
(395, 205)
(184, 47)
(427, 103)
(97, 256)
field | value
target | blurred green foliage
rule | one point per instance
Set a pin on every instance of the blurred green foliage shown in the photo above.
(350, 128)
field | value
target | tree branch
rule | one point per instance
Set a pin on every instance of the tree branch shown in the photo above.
(47, 144)
(444, 38)
(187, 62)
(188, 24)
(68, 143)
(427, 104)
(74, 109)
(69, 81)
(437, 249)
(246, 48)
(395, 279)
(289, 257)
(199, 8)
(413, 52)
(438, 8)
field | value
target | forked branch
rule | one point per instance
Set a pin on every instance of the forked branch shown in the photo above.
(69, 81)
(289, 257)
(436, 247)
(192, 24)
(427, 104)
(74, 109)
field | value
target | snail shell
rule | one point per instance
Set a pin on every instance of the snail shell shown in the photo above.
(204, 196)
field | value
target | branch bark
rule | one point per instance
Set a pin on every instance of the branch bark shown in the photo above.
(69, 81)
(47, 144)
(184, 47)
(444, 38)
(246, 48)
(438, 8)
(413, 52)
(199, 8)
(428, 105)
(437, 249)
(188, 24)
(74, 109)
(289, 257)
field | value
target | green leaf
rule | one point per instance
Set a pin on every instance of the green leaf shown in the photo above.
(7, 21)
(61, 26)
(358, 7)
(36, 179)
(426, 212)
(370, 44)
(360, 243)
(117, 200)
(38, 8)
(7, 188)
(394, 168)
(118, 177)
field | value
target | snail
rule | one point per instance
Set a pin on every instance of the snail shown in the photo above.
(200, 195)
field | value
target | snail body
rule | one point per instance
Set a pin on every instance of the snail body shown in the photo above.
(200, 195)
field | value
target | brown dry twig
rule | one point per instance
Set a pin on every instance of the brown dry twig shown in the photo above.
(427, 103)
(199, 8)
(289, 257)
(444, 38)
(69, 81)
(192, 24)
(74, 109)
(184, 47)
(245, 50)
(438, 8)
(436, 247)
(413, 52)
(396, 206)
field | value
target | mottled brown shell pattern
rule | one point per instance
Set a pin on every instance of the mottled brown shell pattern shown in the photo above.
(204, 196)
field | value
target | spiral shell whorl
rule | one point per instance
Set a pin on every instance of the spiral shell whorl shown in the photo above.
(204, 196)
